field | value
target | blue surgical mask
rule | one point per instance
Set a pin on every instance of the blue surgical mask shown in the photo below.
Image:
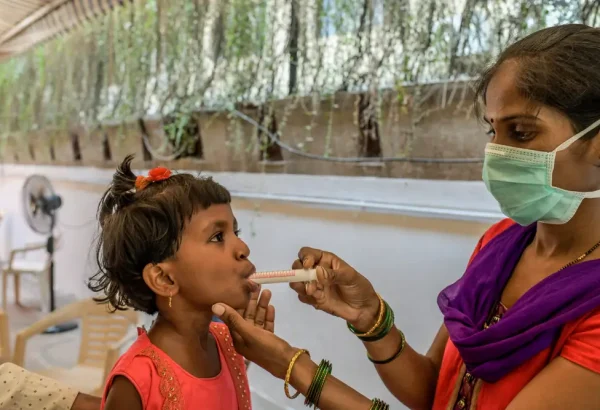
(521, 181)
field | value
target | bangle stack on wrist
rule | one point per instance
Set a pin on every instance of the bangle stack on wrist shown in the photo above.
(379, 405)
(382, 327)
(316, 387)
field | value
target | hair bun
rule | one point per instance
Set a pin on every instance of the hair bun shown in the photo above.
(121, 192)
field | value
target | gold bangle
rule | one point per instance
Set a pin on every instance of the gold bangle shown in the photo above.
(288, 375)
(379, 319)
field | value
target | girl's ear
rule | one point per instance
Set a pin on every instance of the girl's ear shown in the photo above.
(159, 281)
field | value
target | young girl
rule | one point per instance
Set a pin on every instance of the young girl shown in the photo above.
(169, 244)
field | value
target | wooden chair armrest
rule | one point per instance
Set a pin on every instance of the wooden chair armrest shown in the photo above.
(25, 249)
(30, 248)
(64, 314)
(114, 352)
(4, 338)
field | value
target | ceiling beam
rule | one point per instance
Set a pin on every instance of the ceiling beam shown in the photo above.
(29, 20)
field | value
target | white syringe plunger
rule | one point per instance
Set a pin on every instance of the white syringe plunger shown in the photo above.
(284, 276)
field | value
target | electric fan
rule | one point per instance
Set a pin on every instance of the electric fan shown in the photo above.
(41, 205)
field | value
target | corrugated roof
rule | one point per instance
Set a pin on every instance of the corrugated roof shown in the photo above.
(25, 23)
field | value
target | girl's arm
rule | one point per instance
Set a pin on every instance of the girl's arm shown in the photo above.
(123, 395)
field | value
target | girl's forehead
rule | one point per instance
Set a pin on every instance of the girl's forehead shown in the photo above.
(215, 216)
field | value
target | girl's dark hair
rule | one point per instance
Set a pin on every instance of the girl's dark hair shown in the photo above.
(137, 228)
(558, 67)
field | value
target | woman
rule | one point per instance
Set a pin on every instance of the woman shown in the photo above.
(522, 326)
(22, 389)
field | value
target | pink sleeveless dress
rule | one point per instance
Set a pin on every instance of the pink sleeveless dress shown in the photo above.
(163, 385)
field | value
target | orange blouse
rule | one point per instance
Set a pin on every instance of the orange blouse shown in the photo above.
(579, 342)
(163, 385)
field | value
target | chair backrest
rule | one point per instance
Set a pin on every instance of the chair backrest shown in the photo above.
(100, 329)
(4, 337)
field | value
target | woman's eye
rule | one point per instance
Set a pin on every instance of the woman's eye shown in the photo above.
(491, 132)
(522, 136)
(521, 133)
(238, 232)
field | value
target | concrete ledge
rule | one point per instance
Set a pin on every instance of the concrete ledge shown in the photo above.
(454, 200)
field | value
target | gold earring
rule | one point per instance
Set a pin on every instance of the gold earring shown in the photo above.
(170, 299)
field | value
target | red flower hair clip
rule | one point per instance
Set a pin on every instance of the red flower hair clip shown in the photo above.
(154, 175)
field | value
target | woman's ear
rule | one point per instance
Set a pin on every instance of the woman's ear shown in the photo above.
(159, 281)
(595, 149)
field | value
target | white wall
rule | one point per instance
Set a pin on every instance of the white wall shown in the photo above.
(408, 259)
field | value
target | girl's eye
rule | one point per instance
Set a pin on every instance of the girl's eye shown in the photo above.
(220, 236)
(217, 238)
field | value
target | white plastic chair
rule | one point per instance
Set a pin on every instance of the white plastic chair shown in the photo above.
(19, 264)
(103, 335)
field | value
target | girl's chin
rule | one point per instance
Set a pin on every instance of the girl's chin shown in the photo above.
(238, 301)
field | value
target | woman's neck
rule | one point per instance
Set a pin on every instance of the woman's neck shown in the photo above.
(576, 236)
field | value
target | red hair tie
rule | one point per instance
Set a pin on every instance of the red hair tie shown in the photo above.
(154, 175)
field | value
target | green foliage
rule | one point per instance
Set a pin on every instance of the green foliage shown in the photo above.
(172, 57)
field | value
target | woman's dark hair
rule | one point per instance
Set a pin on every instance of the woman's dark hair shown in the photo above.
(558, 67)
(138, 228)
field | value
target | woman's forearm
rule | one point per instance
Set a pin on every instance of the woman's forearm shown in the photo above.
(335, 396)
(411, 377)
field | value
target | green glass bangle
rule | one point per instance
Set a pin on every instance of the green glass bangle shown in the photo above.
(317, 384)
(379, 405)
(316, 387)
(326, 370)
(386, 325)
(395, 356)
(313, 387)
(322, 385)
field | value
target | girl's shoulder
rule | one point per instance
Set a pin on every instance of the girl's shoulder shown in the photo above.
(139, 364)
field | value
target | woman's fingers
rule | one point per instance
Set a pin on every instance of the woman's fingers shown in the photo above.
(310, 257)
(270, 319)
(299, 287)
(261, 310)
(311, 288)
(309, 300)
(236, 323)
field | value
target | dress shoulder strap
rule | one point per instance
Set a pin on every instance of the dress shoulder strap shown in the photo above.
(235, 363)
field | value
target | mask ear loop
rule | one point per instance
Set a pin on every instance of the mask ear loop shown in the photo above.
(567, 144)
(575, 137)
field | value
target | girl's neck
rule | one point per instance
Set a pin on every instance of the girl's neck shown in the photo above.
(185, 337)
(576, 236)
(185, 329)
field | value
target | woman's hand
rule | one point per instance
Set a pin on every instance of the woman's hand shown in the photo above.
(340, 290)
(256, 343)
